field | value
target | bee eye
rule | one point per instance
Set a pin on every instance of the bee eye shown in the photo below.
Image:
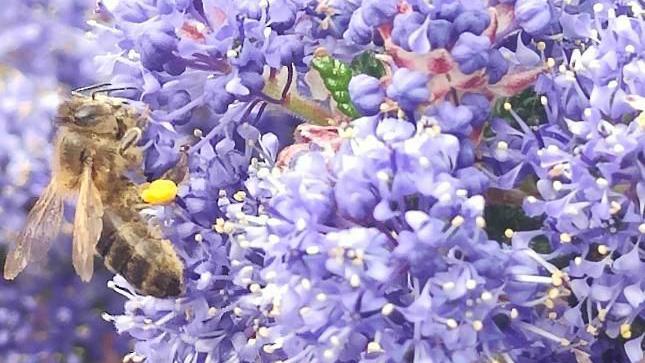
(86, 115)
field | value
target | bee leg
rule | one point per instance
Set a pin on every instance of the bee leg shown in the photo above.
(140, 206)
(129, 139)
(178, 172)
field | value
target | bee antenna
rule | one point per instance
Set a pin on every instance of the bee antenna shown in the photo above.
(108, 90)
(91, 87)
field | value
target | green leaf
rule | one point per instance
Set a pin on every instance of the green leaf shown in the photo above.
(527, 105)
(336, 76)
(366, 63)
(349, 110)
(341, 96)
(324, 65)
(499, 217)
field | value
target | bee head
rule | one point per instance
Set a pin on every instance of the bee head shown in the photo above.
(99, 114)
(84, 112)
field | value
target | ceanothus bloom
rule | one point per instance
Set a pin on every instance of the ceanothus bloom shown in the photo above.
(368, 238)
(356, 247)
(532, 15)
(590, 144)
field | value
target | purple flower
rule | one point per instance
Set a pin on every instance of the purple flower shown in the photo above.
(440, 33)
(479, 107)
(471, 52)
(366, 18)
(282, 14)
(408, 88)
(377, 238)
(358, 30)
(377, 12)
(454, 120)
(471, 21)
(157, 46)
(366, 94)
(327, 258)
(532, 15)
(404, 25)
(448, 9)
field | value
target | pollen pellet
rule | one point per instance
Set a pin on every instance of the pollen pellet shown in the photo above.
(160, 191)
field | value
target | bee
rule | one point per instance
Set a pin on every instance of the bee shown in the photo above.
(95, 146)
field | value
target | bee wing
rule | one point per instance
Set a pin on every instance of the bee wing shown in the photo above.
(43, 224)
(88, 224)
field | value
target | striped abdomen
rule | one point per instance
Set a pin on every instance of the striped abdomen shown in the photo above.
(150, 264)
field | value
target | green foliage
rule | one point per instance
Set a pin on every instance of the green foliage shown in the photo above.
(527, 105)
(366, 63)
(337, 74)
(499, 217)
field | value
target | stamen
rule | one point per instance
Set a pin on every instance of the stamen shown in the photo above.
(626, 330)
(387, 309)
(548, 266)
(565, 238)
(533, 279)
(543, 333)
(374, 347)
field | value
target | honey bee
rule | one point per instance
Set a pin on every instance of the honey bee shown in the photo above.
(95, 145)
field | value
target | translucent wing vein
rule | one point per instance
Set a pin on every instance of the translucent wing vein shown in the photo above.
(42, 226)
(88, 224)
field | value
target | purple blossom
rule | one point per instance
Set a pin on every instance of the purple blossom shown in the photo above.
(372, 239)
(471, 21)
(366, 93)
(532, 15)
(408, 88)
(471, 52)
(367, 17)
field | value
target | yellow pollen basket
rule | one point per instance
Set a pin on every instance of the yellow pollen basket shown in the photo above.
(160, 191)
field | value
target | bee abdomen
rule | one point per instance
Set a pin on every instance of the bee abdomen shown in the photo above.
(147, 263)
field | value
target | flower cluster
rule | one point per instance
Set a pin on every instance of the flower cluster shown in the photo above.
(586, 160)
(378, 253)
(392, 180)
